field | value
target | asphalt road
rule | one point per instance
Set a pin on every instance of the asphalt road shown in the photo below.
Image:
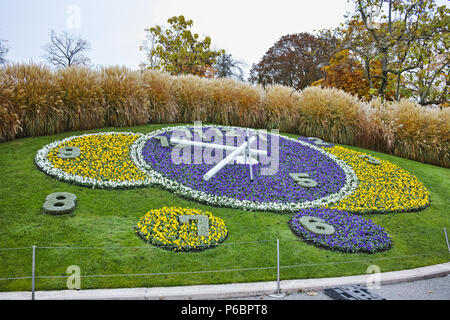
(431, 289)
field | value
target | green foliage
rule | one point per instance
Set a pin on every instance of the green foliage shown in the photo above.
(179, 51)
(410, 39)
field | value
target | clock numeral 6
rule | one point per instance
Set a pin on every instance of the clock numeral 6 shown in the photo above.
(318, 142)
(369, 159)
(60, 203)
(202, 223)
(68, 152)
(316, 225)
(303, 180)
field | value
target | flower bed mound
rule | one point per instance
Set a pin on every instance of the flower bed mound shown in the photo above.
(352, 233)
(163, 228)
(103, 160)
(383, 188)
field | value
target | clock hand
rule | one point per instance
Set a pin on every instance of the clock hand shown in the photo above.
(228, 159)
(211, 145)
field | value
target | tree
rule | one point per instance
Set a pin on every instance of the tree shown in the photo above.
(227, 67)
(66, 50)
(347, 73)
(400, 39)
(178, 51)
(295, 60)
(3, 51)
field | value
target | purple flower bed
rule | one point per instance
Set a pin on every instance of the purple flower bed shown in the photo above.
(234, 180)
(352, 233)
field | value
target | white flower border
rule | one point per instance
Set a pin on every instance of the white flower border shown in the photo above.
(42, 162)
(351, 180)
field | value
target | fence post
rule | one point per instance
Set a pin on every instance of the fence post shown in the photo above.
(446, 239)
(278, 266)
(278, 294)
(33, 267)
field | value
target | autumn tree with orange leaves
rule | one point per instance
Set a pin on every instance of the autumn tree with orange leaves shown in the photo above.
(347, 73)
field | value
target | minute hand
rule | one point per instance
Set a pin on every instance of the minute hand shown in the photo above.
(227, 159)
(212, 145)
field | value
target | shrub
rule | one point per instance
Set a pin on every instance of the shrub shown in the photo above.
(10, 123)
(421, 134)
(126, 99)
(282, 108)
(376, 129)
(161, 97)
(329, 114)
(82, 98)
(34, 100)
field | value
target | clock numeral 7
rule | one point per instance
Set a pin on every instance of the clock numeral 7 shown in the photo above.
(303, 180)
(202, 223)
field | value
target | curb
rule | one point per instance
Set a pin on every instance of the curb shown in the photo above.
(233, 290)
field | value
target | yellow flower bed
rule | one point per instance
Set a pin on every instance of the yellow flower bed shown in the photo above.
(382, 188)
(161, 227)
(103, 157)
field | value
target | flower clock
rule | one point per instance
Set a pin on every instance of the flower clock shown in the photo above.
(326, 188)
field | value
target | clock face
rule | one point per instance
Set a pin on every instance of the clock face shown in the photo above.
(294, 174)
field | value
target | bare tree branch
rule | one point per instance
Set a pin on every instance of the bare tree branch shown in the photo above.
(3, 51)
(66, 50)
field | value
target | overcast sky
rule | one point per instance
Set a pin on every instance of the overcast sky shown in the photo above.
(115, 28)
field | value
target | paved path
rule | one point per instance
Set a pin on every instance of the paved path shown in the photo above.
(255, 289)
(430, 289)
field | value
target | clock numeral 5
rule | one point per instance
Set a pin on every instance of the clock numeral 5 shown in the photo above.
(303, 180)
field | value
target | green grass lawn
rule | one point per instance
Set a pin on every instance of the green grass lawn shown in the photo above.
(105, 218)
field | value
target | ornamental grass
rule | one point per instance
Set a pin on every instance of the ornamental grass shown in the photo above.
(81, 94)
(36, 100)
(329, 114)
(126, 99)
(282, 110)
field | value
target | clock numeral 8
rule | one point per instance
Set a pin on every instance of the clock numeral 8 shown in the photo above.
(202, 223)
(316, 225)
(369, 159)
(60, 203)
(303, 180)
